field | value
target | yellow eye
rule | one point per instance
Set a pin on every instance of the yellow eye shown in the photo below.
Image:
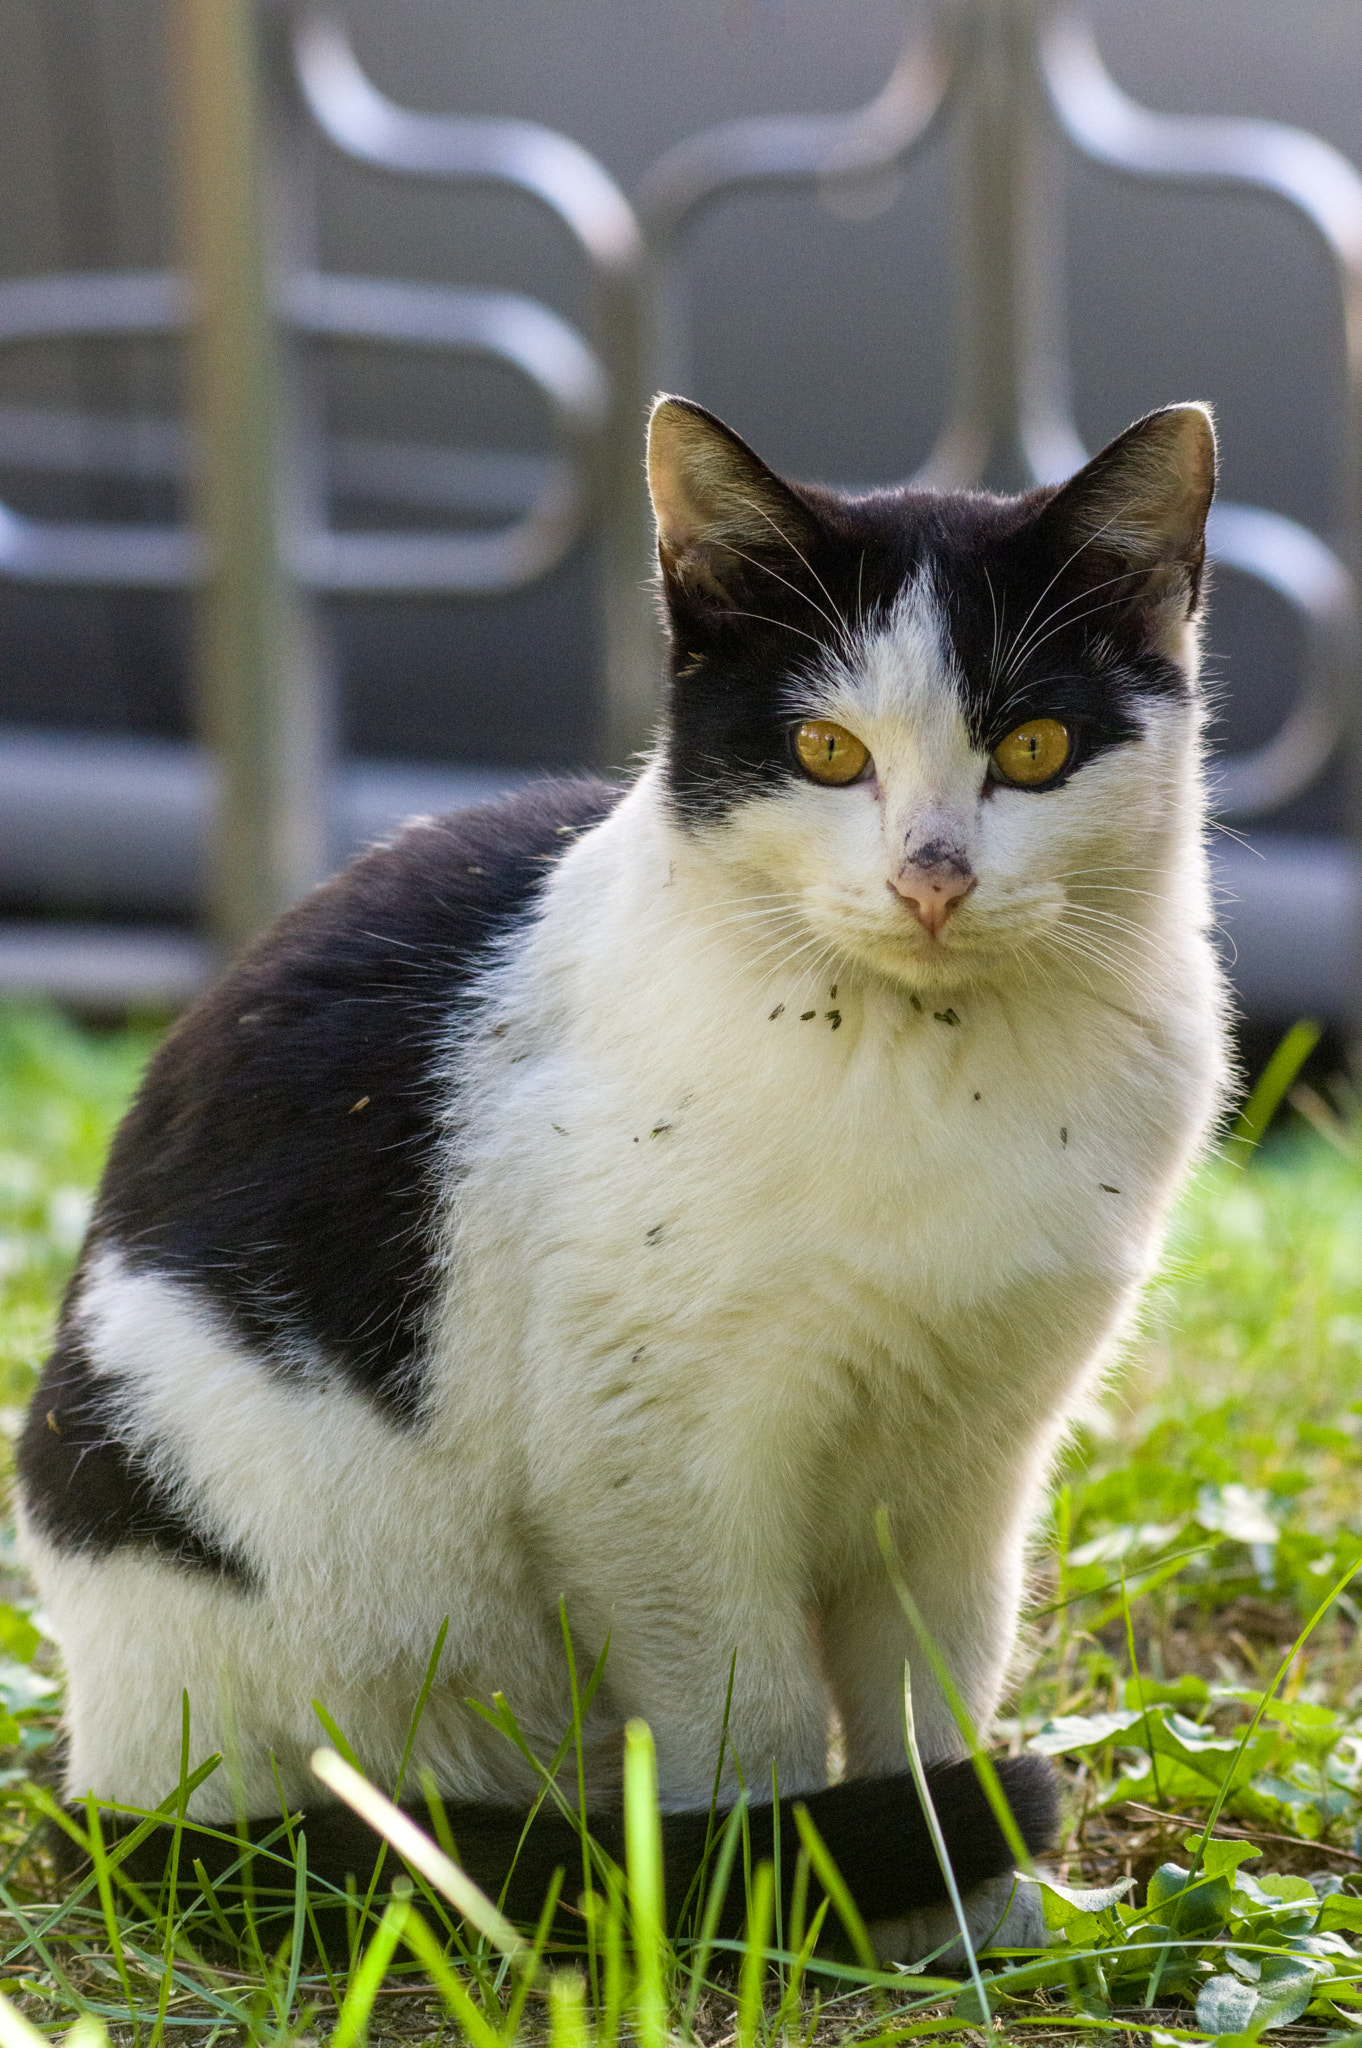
(1034, 753)
(829, 752)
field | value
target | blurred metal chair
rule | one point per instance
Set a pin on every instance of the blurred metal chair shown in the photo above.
(259, 83)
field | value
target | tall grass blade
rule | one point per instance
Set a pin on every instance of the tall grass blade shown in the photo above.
(468, 2015)
(579, 1757)
(643, 1861)
(416, 1848)
(567, 2010)
(432, 1666)
(775, 1868)
(799, 1900)
(531, 1975)
(106, 1900)
(950, 1692)
(205, 1885)
(173, 1874)
(352, 2021)
(473, 1953)
(616, 1979)
(1269, 1091)
(297, 1846)
(930, 1815)
(337, 1739)
(295, 1958)
(1140, 1690)
(504, 1721)
(713, 1906)
(835, 1885)
(798, 1968)
(711, 1821)
(752, 1974)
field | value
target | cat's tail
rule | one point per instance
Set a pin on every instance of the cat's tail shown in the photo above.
(874, 1829)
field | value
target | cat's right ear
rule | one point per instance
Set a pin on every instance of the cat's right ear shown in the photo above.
(717, 505)
(1134, 518)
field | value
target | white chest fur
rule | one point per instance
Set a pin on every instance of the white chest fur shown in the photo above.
(746, 1273)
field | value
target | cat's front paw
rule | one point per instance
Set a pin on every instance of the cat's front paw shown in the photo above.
(1004, 1913)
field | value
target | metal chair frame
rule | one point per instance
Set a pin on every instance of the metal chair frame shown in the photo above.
(1017, 79)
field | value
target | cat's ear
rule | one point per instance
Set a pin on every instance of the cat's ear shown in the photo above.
(717, 505)
(1137, 512)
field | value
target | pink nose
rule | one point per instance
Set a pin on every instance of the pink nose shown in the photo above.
(932, 893)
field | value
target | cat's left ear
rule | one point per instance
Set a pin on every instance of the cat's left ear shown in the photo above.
(718, 507)
(1136, 514)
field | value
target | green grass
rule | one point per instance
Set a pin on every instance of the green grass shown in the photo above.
(1194, 1660)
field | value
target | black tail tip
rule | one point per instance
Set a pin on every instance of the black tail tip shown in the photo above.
(1032, 1788)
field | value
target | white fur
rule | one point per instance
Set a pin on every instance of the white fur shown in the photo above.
(720, 1285)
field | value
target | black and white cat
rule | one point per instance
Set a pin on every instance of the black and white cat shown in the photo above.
(620, 1195)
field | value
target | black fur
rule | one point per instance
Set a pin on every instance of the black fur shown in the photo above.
(748, 638)
(245, 1169)
(86, 1490)
(874, 1829)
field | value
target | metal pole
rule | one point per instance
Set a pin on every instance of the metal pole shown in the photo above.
(1009, 424)
(260, 689)
(632, 652)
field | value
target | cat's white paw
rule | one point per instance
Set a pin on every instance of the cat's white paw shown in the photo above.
(1004, 1913)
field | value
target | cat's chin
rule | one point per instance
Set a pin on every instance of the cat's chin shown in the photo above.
(933, 967)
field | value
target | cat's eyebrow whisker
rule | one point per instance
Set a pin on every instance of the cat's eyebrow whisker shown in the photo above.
(1054, 621)
(1049, 621)
(993, 607)
(1057, 624)
(1069, 561)
(1000, 713)
(1024, 643)
(836, 621)
(763, 619)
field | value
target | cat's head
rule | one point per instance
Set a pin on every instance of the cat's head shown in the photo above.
(945, 730)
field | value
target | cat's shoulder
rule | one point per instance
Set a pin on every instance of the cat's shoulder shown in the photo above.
(388, 940)
(282, 1155)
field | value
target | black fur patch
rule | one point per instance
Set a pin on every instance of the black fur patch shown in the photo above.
(1037, 628)
(86, 1491)
(281, 1153)
(873, 1827)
